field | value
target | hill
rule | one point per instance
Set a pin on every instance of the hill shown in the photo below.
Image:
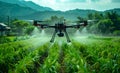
(21, 9)
(115, 9)
(14, 10)
(70, 15)
(28, 4)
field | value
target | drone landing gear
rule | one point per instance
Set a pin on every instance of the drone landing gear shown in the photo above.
(67, 37)
(53, 37)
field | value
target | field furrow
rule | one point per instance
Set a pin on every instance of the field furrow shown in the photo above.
(99, 56)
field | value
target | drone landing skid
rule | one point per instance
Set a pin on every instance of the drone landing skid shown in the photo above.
(53, 37)
(67, 37)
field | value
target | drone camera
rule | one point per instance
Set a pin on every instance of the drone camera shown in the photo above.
(60, 34)
(77, 26)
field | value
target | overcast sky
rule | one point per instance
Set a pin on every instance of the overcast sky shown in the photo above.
(64, 5)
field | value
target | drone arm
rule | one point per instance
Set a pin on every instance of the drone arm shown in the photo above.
(51, 26)
(78, 25)
(74, 26)
(44, 26)
(39, 24)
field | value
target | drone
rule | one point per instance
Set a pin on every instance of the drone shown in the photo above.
(60, 28)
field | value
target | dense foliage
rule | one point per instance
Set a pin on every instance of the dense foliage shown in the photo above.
(106, 24)
(100, 56)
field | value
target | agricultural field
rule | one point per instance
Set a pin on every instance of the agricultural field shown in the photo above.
(82, 55)
(59, 36)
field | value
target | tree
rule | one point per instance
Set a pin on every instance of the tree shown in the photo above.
(29, 30)
(105, 26)
(115, 18)
(90, 16)
(54, 19)
(112, 15)
(20, 26)
(98, 16)
(80, 18)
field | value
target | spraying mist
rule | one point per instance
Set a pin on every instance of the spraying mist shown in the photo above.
(84, 30)
(36, 32)
(38, 37)
(42, 34)
(77, 33)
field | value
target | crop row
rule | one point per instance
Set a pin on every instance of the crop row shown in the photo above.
(11, 53)
(96, 57)
(15, 54)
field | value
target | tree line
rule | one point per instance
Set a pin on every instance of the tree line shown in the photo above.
(103, 23)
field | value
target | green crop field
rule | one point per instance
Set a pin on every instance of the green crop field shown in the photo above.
(84, 55)
(59, 36)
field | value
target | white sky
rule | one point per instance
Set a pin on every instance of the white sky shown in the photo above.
(64, 5)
